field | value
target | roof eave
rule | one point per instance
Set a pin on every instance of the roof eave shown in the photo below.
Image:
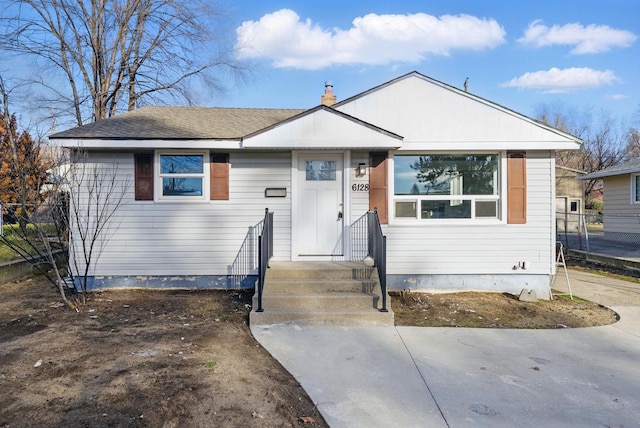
(131, 144)
(604, 174)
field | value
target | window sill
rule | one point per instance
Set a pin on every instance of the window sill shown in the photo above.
(445, 222)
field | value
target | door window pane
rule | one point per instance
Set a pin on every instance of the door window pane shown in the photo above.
(574, 206)
(321, 170)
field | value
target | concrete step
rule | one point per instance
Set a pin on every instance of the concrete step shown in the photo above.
(326, 317)
(312, 301)
(321, 285)
(320, 270)
(321, 293)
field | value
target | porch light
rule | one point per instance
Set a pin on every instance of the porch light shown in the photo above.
(361, 170)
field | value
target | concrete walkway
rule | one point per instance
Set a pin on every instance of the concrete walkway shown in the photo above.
(459, 377)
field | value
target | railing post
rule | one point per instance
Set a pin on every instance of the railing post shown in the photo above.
(260, 275)
(371, 216)
(382, 274)
(377, 246)
(265, 252)
(270, 217)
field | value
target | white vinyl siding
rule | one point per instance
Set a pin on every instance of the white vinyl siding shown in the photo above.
(167, 238)
(450, 249)
(621, 214)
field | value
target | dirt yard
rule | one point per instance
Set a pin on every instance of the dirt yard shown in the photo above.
(139, 358)
(495, 310)
(187, 359)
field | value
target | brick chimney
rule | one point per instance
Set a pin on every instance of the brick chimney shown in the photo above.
(328, 98)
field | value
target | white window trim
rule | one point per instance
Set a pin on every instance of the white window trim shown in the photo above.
(634, 177)
(205, 176)
(500, 196)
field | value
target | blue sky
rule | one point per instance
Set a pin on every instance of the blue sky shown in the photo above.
(518, 54)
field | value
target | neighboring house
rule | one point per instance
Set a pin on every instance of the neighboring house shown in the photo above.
(569, 198)
(621, 198)
(464, 188)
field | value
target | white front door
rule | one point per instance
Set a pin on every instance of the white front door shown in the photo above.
(319, 205)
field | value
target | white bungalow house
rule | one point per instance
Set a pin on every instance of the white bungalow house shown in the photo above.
(463, 187)
(621, 198)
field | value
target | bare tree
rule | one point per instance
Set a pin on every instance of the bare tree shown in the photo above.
(633, 137)
(96, 193)
(64, 233)
(23, 174)
(63, 208)
(117, 54)
(604, 139)
(633, 144)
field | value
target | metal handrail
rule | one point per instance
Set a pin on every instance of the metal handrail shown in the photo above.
(265, 252)
(378, 252)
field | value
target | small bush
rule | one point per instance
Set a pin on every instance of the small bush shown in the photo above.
(594, 204)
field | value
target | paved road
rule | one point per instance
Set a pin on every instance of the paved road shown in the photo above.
(596, 244)
(459, 377)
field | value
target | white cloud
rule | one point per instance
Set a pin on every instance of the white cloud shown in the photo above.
(617, 97)
(585, 40)
(563, 80)
(373, 39)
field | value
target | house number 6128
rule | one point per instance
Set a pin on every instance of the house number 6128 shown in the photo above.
(360, 187)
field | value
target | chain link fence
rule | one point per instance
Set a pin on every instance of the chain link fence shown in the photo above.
(613, 235)
(48, 218)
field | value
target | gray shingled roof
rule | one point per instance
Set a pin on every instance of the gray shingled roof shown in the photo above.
(180, 123)
(631, 167)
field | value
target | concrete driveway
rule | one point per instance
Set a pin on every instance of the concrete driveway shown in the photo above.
(459, 377)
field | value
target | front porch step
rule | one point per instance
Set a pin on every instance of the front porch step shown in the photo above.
(322, 317)
(320, 270)
(324, 300)
(321, 293)
(323, 286)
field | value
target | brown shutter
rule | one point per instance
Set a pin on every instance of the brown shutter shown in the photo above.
(219, 174)
(143, 176)
(378, 178)
(516, 188)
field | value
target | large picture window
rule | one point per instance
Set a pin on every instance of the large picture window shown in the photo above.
(446, 186)
(182, 176)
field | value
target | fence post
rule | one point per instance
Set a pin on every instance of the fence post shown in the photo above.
(583, 218)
